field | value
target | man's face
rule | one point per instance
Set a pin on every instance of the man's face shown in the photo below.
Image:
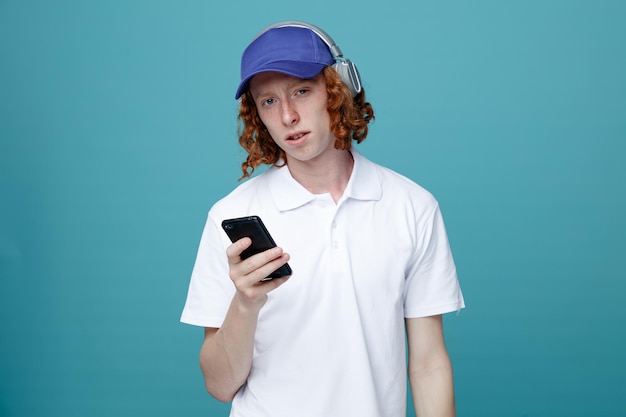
(295, 114)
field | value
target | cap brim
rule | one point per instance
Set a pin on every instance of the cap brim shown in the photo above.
(298, 69)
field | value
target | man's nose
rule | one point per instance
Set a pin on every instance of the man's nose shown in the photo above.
(289, 114)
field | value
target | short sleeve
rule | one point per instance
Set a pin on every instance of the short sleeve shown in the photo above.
(210, 288)
(432, 285)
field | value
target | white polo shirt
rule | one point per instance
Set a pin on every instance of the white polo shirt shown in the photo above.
(331, 341)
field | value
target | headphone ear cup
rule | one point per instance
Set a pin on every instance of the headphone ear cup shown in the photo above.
(349, 75)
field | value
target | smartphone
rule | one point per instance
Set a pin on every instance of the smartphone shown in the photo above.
(253, 227)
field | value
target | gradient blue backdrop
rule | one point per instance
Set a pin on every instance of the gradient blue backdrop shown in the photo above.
(117, 132)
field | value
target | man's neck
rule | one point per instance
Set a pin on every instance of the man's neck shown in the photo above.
(325, 175)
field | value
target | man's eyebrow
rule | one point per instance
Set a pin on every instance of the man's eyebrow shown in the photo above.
(268, 93)
(262, 95)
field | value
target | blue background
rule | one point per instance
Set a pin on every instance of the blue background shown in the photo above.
(117, 133)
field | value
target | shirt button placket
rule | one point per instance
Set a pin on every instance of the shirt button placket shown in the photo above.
(333, 234)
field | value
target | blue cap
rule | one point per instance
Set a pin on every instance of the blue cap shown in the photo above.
(294, 51)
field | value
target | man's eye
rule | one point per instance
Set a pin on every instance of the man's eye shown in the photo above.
(268, 101)
(303, 91)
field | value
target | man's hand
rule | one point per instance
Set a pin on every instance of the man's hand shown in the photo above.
(247, 274)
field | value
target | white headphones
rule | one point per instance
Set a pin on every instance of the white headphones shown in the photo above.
(344, 67)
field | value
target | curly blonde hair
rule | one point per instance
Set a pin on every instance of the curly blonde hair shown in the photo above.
(349, 117)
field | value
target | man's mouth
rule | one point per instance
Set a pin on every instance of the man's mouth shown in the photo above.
(296, 136)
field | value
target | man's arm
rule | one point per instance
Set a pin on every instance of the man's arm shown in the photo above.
(430, 370)
(226, 353)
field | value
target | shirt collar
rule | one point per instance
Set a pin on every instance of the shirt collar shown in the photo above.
(288, 194)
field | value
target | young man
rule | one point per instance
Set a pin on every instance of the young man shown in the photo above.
(368, 250)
